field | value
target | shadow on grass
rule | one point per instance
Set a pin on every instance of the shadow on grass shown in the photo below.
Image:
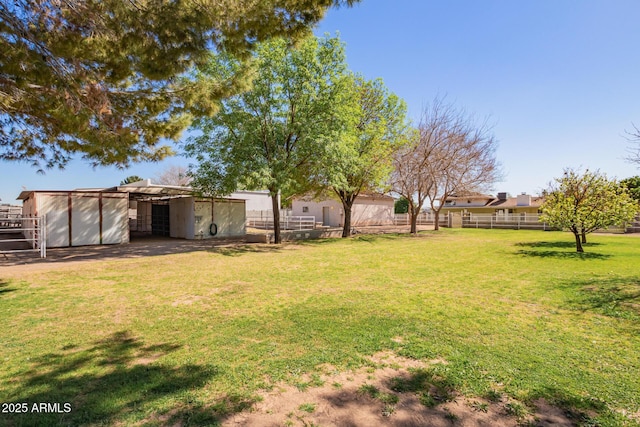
(114, 382)
(545, 244)
(565, 250)
(433, 388)
(584, 256)
(373, 238)
(612, 296)
(363, 237)
(4, 287)
(139, 247)
(244, 249)
(425, 397)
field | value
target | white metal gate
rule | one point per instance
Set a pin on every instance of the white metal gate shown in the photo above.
(17, 231)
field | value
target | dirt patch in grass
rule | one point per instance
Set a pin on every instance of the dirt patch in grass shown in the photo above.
(393, 391)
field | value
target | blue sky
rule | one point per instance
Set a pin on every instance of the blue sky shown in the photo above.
(558, 78)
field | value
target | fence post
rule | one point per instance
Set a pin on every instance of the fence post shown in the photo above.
(43, 237)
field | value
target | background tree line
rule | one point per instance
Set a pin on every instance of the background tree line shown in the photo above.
(273, 107)
(309, 126)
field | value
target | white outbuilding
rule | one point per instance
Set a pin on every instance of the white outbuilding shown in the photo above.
(108, 216)
(78, 218)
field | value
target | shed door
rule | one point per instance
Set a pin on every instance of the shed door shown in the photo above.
(57, 211)
(85, 221)
(326, 210)
(160, 220)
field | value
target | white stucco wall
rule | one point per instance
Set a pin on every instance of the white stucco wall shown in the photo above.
(181, 217)
(255, 201)
(365, 211)
(370, 211)
(327, 212)
(228, 216)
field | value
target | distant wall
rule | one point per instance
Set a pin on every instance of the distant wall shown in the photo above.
(332, 209)
(365, 211)
(370, 211)
(255, 201)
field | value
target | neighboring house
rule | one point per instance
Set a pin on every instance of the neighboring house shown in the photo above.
(368, 209)
(102, 216)
(500, 206)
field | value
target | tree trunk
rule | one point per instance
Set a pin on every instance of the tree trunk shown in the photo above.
(277, 239)
(436, 226)
(346, 227)
(414, 221)
(584, 236)
(578, 242)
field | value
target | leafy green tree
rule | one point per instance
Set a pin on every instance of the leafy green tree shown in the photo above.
(274, 136)
(633, 187)
(99, 77)
(583, 203)
(130, 179)
(361, 160)
(401, 206)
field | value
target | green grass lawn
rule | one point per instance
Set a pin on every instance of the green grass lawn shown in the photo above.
(192, 337)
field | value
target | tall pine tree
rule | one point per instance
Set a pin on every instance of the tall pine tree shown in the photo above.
(99, 78)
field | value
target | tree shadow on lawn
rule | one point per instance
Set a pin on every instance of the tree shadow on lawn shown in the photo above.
(545, 244)
(548, 405)
(568, 252)
(584, 256)
(356, 238)
(4, 287)
(116, 381)
(244, 249)
(615, 296)
(400, 394)
(139, 247)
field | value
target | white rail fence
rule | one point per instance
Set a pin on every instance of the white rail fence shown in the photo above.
(286, 223)
(17, 231)
(424, 218)
(522, 221)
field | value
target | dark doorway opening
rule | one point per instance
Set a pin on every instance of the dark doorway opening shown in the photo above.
(160, 220)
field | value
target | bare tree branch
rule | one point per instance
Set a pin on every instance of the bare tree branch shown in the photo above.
(174, 175)
(634, 150)
(451, 155)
